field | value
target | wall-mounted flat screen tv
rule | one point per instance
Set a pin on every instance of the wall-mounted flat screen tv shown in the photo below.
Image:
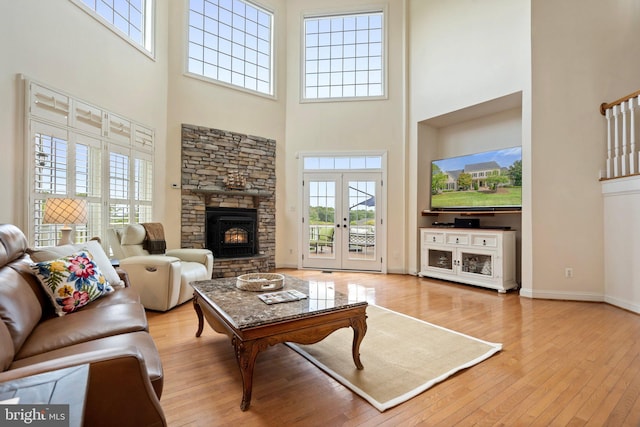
(490, 180)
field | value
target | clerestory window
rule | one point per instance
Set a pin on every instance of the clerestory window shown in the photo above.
(344, 56)
(230, 42)
(130, 19)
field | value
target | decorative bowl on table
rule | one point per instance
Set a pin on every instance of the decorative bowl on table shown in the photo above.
(258, 282)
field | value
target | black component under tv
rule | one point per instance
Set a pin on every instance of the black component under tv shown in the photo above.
(485, 181)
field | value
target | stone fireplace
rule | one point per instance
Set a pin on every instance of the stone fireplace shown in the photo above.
(209, 158)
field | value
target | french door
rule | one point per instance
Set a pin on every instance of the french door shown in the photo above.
(342, 221)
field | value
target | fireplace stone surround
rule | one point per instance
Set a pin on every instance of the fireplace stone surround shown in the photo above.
(209, 156)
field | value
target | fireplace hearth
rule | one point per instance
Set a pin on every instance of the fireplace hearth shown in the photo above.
(231, 232)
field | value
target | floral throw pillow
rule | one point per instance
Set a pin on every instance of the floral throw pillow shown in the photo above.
(72, 281)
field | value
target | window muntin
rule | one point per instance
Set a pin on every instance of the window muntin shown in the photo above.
(131, 19)
(230, 41)
(344, 56)
(118, 176)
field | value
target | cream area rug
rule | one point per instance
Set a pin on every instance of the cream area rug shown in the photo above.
(402, 356)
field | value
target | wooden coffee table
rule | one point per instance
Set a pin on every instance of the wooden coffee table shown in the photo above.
(254, 325)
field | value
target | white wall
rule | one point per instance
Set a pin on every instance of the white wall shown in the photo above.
(584, 52)
(58, 44)
(462, 53)
(345, 126)
(490, 132)
(203, 103)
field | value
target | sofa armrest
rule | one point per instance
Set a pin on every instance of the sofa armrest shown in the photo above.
(119, 390)
(201, 256)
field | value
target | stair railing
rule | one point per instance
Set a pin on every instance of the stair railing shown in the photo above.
(622, 149)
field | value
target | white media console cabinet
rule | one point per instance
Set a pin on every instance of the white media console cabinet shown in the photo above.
(482, 257)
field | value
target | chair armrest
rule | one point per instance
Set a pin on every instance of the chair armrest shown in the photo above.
(119, 390)
(150, 260)
(191, 255)
(156, 278)
(201, 256)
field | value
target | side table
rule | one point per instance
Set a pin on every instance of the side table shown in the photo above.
(66, 386)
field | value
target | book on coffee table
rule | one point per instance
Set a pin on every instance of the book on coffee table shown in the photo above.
(282, 296)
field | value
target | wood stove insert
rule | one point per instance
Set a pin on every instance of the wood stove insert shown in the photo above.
(231, 232)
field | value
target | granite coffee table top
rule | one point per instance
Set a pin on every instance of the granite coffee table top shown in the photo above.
(245, 310)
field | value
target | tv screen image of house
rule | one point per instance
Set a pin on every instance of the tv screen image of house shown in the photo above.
(487, 180)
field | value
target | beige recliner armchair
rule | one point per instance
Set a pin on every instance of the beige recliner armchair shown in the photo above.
(161, 280)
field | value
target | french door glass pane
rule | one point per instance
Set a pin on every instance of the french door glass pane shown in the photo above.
(362, 219)
(322, 211)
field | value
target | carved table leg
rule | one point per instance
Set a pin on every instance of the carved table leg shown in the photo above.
(246, 354)
(359, 325)
(198, 310)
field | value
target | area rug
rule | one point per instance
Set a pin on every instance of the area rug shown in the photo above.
(402, 356)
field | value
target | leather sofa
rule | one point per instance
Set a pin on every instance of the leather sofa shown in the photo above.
(162, 281)
(109, 334)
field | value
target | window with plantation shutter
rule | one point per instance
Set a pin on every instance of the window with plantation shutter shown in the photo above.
(79, 150)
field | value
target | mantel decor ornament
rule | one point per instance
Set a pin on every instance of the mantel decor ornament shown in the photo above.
(257, 282)
(235, 180)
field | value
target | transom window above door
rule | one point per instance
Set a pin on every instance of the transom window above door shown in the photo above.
(370, 162)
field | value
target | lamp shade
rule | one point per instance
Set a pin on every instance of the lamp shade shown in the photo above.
(65, 211)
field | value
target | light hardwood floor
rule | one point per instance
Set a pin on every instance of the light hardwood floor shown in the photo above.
(563, 364)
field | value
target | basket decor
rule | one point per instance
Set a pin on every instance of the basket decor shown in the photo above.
(257, 282)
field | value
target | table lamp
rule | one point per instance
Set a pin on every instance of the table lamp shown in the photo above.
(65, 211)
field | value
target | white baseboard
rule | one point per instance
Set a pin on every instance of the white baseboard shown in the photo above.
(581, 296)
(622, 304)
(293, 266)
(562, 295)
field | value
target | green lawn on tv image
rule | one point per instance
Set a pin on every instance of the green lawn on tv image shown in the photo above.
(504, 196)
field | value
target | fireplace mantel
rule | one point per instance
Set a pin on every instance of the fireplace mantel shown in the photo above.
(208, 192)
(248, 193)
